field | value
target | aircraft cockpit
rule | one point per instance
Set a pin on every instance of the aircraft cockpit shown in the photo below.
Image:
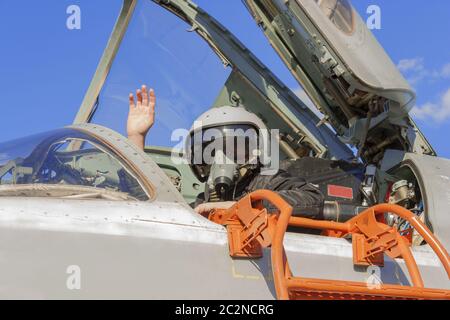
(68, 164)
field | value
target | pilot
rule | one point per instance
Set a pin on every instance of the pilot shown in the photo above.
(228, 175)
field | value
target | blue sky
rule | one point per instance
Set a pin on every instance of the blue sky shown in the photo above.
(45, 68)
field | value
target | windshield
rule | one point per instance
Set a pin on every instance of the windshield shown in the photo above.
(47, 165)
(159, 50)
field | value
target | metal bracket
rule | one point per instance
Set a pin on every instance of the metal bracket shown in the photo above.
(248, 228)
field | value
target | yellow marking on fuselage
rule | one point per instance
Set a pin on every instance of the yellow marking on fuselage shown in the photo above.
(237, 275)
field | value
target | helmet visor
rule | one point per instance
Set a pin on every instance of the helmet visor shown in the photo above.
(221, 145)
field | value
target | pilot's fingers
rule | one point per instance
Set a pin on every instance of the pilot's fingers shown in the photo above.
(198, 209)
(203, 208)
(210, 206)
(144, 95)
(139, 97)
(225, 205)
(131, 99)
(152, 98)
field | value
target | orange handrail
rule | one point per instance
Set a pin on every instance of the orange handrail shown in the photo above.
(380, 209)
(319, 224)
(250, 226)
(285, 219)
(420, 227)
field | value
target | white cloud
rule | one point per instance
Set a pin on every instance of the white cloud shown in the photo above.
(415, 64)
(437, 112)
(445, 72)
(415, 71)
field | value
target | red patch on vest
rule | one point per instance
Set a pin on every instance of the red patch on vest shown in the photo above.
(340, 192)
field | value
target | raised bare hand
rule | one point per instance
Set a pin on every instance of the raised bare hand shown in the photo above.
(141, 115)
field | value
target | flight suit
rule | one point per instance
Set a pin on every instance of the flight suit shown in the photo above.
(305, 198)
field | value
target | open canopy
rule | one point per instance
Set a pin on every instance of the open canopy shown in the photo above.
(194, 64)
(324, 43)
(345, 71)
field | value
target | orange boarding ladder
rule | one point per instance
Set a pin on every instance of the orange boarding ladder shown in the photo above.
(251, 228)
